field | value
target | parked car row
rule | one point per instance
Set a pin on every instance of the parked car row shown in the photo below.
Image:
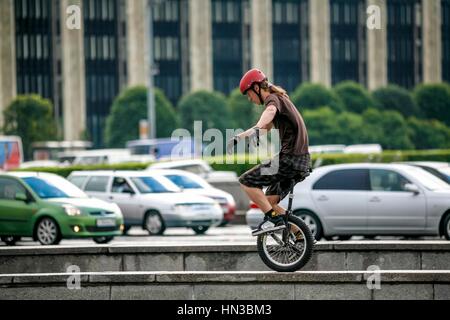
(370, 200)
(104, 204)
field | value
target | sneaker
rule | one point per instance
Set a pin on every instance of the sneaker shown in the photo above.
(269, 224)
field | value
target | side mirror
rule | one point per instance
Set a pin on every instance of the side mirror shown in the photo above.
(128, 191)
(21, 197)
(409, 187)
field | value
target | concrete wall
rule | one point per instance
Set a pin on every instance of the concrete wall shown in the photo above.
(432, 41)
(423, 285)
(320, 53)
(261, 36)
(200, 46)
(326, 257)
(74, 75)
(136, 60)
(377, 55)
(8, 81)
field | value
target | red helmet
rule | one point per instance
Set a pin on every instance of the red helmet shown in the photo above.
(251, 77)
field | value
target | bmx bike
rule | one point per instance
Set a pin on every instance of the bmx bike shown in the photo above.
(288, 249)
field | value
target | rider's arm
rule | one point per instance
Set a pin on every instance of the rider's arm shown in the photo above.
(265, 122)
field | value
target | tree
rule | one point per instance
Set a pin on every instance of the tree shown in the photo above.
(129, 108)
(208, 107)
(313, 96)
(243, 113)
(354, 96)
(31, 118)
(396, 98)
(428, 134)
(434, 101)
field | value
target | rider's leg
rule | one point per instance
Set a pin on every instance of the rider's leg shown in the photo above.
(258, 197)
(274, 202)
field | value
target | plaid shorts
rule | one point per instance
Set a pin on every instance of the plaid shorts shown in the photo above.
(278, 174)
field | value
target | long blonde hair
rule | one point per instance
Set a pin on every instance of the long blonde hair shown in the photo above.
(273, 88)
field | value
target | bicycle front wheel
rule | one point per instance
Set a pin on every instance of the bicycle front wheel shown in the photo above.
(287, 256)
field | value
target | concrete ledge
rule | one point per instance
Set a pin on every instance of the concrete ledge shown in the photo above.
(229, 285)
(403, 276)
(320, 246)
(332, 256)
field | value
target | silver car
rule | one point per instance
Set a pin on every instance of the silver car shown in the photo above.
(370, 200)
(149, 200)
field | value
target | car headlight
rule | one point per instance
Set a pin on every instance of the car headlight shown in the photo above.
(72, 211)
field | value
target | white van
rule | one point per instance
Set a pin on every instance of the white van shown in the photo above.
(103, 156)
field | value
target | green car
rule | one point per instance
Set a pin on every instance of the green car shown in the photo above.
(49, 208)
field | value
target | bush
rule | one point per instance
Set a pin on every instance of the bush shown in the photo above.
(322, 126)
(354, 96)
(428, 134)
(131, 106)
(395, 131)
(373, 130)
(314, 96)
(434, 101)
(243, 112)
(325, 159)
(31, 118)
(208, 107)
(396, 98)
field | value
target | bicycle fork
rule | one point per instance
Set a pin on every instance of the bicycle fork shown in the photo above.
(288, 213)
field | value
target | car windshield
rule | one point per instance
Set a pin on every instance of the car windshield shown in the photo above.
(428, 180)
(446, 172)
(154, 185)
(49, 187)
(183, 181)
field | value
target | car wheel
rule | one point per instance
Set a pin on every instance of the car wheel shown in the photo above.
(10, 240)
(154, 223)
(200, 229)
(447, 227)
(103, 240)
(312, 221)
(47, 232)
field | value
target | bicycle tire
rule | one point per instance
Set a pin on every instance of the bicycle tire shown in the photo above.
(304, 259)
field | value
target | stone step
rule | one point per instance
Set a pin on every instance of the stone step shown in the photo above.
(426, 285)
(328, 256)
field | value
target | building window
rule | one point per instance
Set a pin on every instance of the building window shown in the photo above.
(446, 40)
(33, 51)
(404, 42)
(347, 41)
(101, 29)
(228, 28)
(290, 47)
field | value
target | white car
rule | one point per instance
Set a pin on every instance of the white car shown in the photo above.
(439, 169)
(199, 167)
(192, 183)
(150, 200)
(370, 200)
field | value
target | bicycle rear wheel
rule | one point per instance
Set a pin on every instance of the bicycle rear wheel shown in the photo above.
(287, 256)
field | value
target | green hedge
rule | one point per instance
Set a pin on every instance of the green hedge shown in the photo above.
(249, 161)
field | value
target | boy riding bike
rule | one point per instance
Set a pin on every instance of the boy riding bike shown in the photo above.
(293, 162)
